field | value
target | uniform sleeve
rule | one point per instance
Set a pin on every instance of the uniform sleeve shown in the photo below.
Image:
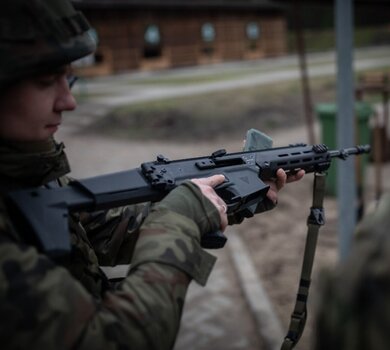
(113, 233)
(45, 307)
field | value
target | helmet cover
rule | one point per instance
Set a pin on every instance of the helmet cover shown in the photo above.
(39, 35)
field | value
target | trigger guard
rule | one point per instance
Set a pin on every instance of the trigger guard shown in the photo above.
(228, 194)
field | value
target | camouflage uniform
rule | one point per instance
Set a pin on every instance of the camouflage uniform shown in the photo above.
(70, 304)
(354, 308)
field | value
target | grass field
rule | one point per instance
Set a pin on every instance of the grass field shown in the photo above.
(227, 113)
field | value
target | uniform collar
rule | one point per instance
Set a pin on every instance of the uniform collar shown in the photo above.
(31, 164)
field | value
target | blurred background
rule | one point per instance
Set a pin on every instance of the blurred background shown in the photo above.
(184, 78)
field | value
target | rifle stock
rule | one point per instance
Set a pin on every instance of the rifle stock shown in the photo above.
(46, 211)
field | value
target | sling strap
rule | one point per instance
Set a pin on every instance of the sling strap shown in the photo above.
(314, 221)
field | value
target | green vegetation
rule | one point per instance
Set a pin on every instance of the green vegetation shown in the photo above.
(324, 39)
(204, 77)
(227, 113)
(212, 115)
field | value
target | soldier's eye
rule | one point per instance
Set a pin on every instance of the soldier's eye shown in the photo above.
(46, 81)
(71, 80)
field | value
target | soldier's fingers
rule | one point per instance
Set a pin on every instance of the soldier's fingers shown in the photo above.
(272, 195)
(222, 208)
(299, 175)
(281, 179)
(205, 185)
(212, 181)
(224, 218)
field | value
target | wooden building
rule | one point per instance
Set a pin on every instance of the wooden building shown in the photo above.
(156, 34)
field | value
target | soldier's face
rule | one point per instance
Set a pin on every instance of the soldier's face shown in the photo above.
(31, 110)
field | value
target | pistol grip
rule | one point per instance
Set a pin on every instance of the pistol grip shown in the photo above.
(213, 240)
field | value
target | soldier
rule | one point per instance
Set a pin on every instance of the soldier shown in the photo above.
(45, 303)
(354, 305)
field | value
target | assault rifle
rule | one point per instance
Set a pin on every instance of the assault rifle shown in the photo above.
(46, 211)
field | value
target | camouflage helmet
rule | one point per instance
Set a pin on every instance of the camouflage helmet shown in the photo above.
(39, 35)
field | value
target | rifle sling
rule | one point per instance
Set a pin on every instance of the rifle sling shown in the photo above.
(315, 220)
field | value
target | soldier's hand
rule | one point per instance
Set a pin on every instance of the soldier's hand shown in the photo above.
(281, 180)
(206, 186)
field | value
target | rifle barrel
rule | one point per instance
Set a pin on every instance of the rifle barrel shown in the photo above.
(344, 153)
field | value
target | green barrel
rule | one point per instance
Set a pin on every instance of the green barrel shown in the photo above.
(326, 113)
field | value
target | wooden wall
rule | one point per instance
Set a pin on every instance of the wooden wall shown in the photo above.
(121, 37)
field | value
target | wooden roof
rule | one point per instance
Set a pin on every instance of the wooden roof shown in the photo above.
(238, 4)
